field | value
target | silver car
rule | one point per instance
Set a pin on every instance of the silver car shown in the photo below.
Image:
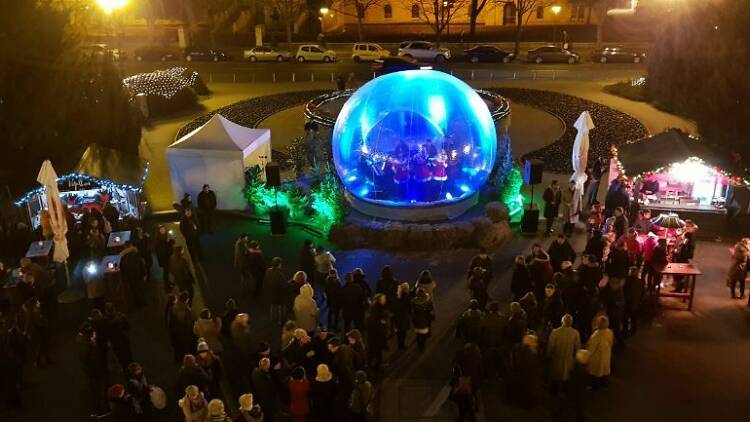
(424, 51)
(265, 54)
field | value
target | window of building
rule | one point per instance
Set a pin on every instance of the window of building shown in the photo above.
(578, 12)
(387, 11)
(415, 11)
(509, 14)
(540, 12)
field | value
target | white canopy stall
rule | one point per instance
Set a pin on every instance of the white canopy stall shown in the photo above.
(217, 154)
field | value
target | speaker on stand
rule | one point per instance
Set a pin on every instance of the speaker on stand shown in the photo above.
(273, 180)
(532, 175)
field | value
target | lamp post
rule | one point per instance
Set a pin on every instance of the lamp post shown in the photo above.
(109, 7)
(556, 9)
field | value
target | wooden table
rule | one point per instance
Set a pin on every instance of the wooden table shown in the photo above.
(690, 272)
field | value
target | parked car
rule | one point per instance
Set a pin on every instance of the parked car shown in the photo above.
(424, 51)
(617, 54)
(488, 53)
(314, 53)
(102, 51)
(263, 53)
(553, 54)
(154, 53)
(394, 64)
(205, 55)
(366, 51)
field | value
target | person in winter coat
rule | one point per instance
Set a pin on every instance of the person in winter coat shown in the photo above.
(477, 287)
(360, 400)
(274, 286)
(209, 328)
(633, 296)
(353, 300)
(94, 363)
(560, 251)
(422, 313)
(206, 208)
(210, 364)
(118, 334)
(190, 373)
(287, 333)
(484, 261)
(387, 285)
(359, 352)
(569, 215)
(377, 331)
(621, 224)
(520, 282)
(181, 323)
(189, 230)
(256, 265)
(241, 264)
(595, 246)
(333, 298)
(738, 271)
(140, 391)
(684, 254)
(323, 394)
(360, 278)
(552, 310)
(264, 388)
(179, 269)
(217, 412)
(324, 262)
(342, 363)
(469, 323)
(523, 380)
(307, 259)
(530, 306)
(515, 328)
(299, 351)
(562, 346)
(163, 247)
(401, 309)
(244, 341)
(540, 269)
(575, 388)
(299, 392)
(618, 263)
(600, 346)
(230, 312)
(491, 340)
(658, 262)
(426, 283)
(306, 311)
(121, 404)
(249, 411)
(194, 405)
(133, 272)
(552, 197)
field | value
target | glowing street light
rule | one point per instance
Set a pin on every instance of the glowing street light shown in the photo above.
(556, 9)
(324, 11)
(110, 6)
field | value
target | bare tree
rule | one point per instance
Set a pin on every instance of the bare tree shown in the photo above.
(356, 9)
(438, 14)
(475, 8)
(599, 8)
(287, 11)
(523, 10)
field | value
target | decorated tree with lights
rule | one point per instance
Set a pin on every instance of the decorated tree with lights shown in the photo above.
(55, 98)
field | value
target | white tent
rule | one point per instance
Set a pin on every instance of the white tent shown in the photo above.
(217, 154)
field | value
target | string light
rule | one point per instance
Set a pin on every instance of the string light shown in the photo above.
(102, 183)
(165, 83)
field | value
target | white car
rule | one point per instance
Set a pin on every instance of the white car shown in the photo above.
(366, 51)
(265, 54)
(314, 53)
(424, 51)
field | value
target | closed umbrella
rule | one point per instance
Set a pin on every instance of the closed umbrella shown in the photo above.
(580, 159)
(48, 178)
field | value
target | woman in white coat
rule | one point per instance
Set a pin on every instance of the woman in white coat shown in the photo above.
(306, 311)
(600, 345)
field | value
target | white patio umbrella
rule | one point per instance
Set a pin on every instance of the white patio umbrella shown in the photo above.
(48, 178)
(580, 159)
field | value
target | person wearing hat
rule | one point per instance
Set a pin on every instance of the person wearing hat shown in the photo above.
(120, 404)
(210, 364)
(194, 405)
(324, 391)
(216, 412)
(560, 251)
(264, 383)
(299, 392)
(209, 328)
(249, 412)
(600, 345)
(306, 310)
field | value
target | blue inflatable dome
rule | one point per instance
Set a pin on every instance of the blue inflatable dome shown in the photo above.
(414, 138)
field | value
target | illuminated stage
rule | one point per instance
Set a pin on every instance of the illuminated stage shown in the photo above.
(415, 145)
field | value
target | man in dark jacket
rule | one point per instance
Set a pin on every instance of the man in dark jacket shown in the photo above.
(189, 230)
(468, 327)
(206, 207)
(133, 271)
(552, 197)
(483, 261)
(264, 388)
(491, 339)
(621, 222)
(560, 251)
(353, 300)
(256, 265)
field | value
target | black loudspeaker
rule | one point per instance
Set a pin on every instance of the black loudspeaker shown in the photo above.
(532, 172)
(278, 222)
(273, 175)
(530, 220)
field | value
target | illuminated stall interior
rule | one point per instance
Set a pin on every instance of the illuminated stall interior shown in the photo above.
(674, 172)
(102, 175)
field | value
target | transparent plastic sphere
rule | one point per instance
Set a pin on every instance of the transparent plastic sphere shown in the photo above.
(413, 138)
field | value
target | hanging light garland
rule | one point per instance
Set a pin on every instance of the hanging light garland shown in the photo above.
(103, 183)
(165, 83)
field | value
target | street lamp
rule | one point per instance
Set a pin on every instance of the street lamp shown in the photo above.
(556, 9)
(110, 6)
(324, 11)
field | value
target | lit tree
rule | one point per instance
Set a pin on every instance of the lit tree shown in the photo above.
(438, 14)
(355, 8)
(523, 10)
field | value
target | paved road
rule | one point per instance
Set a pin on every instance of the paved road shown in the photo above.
(243, 71)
